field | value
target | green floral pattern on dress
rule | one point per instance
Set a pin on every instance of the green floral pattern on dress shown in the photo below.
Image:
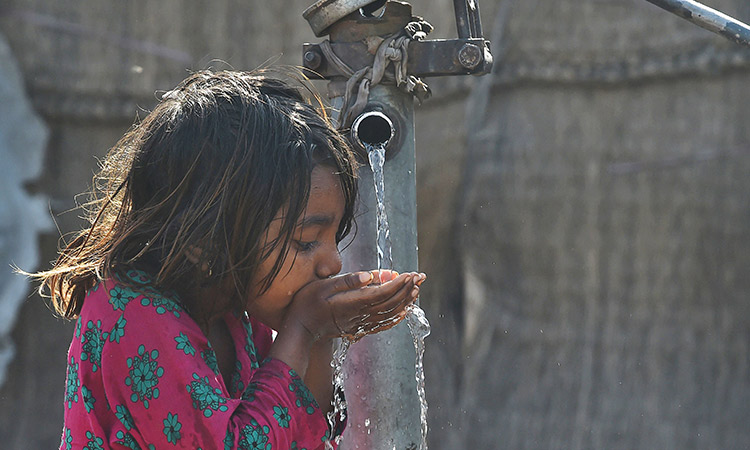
(254, 436)
(123, 415)
(172, 428)
(281, 414)
(237, 386)
(95, 442)
(144, 376)
(304, 396)
(228, 440)
(150, 352)
(138, 277)
(126, 440)
(120, 296)
(205, 397)
(162, 305)
(67, 439)
(250, 349)
(118, 331)
(72, 383)
(209, 357)
(250, 391)
(152, 295)
(93, 342)
(183, 343)
(88, 399)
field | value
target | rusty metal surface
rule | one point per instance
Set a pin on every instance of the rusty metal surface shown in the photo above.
(437, 57)
(355, 26)
(708, 18)
(324, 13)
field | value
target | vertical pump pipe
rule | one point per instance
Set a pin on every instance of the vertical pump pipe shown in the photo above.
(382, 400)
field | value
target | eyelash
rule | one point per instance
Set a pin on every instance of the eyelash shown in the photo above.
(305, 246)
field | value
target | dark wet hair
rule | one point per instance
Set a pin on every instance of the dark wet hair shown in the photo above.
(209, 168)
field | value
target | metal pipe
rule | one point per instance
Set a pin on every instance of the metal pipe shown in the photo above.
(383, 406)
(708, 18)
(476, 22)
(463, 25)
(372, 128)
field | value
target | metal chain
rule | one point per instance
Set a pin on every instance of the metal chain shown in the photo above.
(392, 50)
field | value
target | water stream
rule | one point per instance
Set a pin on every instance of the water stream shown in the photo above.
(415, 318)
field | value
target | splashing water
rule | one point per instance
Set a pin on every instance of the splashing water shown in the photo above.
(420, 329)
(339, 402)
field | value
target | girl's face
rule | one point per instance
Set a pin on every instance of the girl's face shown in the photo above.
(313, 252)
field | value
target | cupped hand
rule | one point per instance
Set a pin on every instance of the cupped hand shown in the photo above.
(354, 305)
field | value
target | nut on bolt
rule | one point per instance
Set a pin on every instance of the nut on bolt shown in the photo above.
(312, 59)
(469, 56)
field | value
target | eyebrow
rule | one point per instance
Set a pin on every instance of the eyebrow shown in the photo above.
(317, 220)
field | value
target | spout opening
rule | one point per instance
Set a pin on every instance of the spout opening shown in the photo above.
(373, 128)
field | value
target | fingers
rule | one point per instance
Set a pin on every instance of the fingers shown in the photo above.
(374, 316)
(350, 281)
(384, 275)
(361, 306)
(381, 299)
(383, 320)
(376, 294)
(394, 304)
(411, 284)
(356, 280)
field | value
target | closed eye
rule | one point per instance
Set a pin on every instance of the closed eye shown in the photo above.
(305, 246)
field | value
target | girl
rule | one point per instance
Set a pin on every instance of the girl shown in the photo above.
(214, 221)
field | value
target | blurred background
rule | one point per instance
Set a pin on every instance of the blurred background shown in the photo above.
(584, 210)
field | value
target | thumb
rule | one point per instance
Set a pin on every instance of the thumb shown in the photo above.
(352, 281)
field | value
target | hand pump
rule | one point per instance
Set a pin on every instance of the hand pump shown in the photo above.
(374, 58)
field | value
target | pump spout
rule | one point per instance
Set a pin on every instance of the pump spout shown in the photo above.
(373, 128)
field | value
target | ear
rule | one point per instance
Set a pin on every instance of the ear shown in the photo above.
(193, 254)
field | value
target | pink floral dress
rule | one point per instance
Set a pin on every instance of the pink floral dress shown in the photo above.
(142, 375)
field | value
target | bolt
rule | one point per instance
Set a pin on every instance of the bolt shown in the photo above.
(469, 56)
(312, 59)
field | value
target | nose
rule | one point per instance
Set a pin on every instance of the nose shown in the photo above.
(329, 263)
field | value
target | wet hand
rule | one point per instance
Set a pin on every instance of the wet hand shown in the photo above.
(354, 305)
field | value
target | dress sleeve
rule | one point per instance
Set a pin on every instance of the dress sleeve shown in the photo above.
(162, 382)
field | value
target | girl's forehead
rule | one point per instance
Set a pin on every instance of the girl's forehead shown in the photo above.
(326, 195)
(324, 177)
